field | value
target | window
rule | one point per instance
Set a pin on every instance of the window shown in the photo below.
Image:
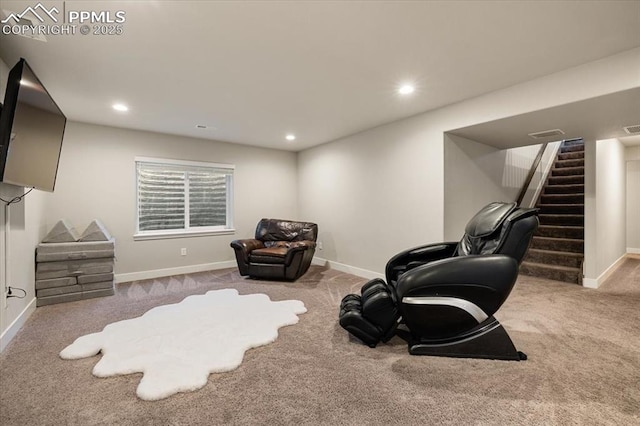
(176, 198)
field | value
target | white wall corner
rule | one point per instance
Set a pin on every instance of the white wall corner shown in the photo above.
(597, 282)
(590, 283)
(318, 261)
(15, 326)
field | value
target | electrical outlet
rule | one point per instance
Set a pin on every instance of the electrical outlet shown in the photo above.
(183, 251)
(320, 245)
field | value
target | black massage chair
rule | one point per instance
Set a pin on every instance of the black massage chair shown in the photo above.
(441, 297)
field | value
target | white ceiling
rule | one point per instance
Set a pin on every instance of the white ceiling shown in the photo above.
(602, 117)
(258, 70)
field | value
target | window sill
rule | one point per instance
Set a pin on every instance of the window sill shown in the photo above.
(181, 234)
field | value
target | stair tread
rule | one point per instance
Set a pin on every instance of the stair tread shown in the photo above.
(559, 205)
(558, 238)
(553, 180)
(560, 214)
(561, 253)
(571, 148)
(570, 160)
(556, 267)
(550, 227)
(566, 168)
(551, 189)
(575, 155)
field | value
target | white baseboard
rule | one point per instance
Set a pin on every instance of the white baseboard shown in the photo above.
(318, 261)
(596, 282)
(157, 273)
(632, 250)
(364, 273)
(590, 283)
(13, 328)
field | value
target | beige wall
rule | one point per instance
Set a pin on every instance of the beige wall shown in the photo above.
(22, 230)
(382, 190)
(23, 233)
(605, 208)
(371, 193)
(632, 154)
(96, 180)
(612, 207)
(476, 174)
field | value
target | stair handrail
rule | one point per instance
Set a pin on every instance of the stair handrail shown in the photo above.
(532, 172)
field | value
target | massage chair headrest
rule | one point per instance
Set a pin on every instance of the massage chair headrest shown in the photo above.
(487, 230)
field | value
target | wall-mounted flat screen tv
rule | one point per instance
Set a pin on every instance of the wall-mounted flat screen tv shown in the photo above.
(31, 131)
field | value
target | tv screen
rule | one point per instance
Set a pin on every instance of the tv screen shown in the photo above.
(31, 131)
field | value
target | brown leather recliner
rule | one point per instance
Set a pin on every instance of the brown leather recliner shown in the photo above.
(281, 249)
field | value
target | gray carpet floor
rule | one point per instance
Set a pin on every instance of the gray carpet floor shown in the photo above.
(583, 367)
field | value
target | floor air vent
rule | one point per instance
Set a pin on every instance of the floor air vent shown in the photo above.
(633, 130)
(546, 134)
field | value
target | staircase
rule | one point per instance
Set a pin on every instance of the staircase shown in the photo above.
(557, 249)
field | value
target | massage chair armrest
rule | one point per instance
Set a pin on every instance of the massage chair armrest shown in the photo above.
(417, 256)
(486, 280)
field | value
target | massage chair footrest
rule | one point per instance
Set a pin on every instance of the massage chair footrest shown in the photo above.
(372, 316)
(488, 340)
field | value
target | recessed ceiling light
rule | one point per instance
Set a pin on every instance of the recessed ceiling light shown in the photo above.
(120, 107)
(291, 137)
(406, 89)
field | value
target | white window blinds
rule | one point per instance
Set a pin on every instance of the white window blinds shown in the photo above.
(183, 196)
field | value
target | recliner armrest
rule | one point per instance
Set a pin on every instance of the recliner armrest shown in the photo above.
(296, 247)
(303, 244)
(417, 256)
(245, 247)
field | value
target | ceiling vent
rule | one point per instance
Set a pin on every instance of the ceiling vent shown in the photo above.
(546, 134)
(633, 130)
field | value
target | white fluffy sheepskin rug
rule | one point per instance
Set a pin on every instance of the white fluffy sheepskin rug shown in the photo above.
(178, 346)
